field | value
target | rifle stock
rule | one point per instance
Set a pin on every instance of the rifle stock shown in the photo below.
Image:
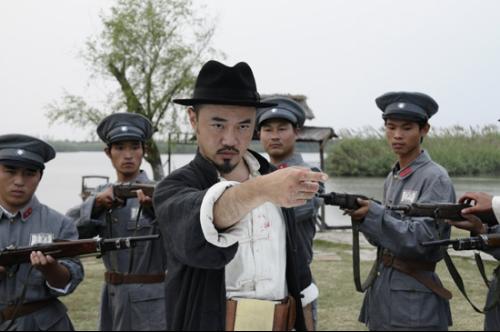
(67, 249)
(129, 190)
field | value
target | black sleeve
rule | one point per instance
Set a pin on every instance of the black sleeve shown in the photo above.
(177, 202)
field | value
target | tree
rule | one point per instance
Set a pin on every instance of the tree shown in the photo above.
(152, 49)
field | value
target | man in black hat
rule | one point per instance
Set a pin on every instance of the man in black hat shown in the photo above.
(278, 127)
(133, 296)
(29, 297)
(232, 250)
(407, 293)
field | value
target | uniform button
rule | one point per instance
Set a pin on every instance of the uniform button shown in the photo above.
(115, 220)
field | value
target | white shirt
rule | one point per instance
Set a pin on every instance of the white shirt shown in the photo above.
(496, 206)
(258, 270)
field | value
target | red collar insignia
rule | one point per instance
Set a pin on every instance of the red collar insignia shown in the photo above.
(27, 213)
(284, 165)
(407, 171)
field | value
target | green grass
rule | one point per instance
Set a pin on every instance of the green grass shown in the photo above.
(339, 303)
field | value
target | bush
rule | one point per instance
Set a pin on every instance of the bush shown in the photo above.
(462, 151)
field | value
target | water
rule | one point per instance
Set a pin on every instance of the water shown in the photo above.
(61, 183)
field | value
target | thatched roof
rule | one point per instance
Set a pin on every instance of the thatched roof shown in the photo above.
(316, 134)
(301, 99)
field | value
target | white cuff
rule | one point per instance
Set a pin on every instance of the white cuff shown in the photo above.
(496, 206)
(309, 294)
(63, 291)
(212, 235)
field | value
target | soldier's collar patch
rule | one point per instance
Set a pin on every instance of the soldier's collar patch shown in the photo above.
(27, 213)
(404, 173)
(281, 166)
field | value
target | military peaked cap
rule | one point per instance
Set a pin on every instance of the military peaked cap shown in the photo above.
(413, 106)
(25, 151)
(124, 127)
(286, 108)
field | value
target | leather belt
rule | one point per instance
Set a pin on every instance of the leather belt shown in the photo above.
(284, 314)
(414, 269)
(115, 278)
(15, 311)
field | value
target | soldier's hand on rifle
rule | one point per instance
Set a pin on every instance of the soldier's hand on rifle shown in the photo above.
(106, 200)
(57, 275)
(292, 186)
(472, 224)
(484, 202)
(360, 213)
(144, 200)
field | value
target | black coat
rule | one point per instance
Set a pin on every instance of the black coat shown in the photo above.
(195, 284)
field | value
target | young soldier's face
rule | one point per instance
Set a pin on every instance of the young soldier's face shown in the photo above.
(278, 138)
(126, 157)
(17, 186)
(404, 137)
(224, 133)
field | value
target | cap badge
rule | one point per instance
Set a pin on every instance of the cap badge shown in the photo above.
(401, 105)
(124, 129)
(274, 110)
(20, 152)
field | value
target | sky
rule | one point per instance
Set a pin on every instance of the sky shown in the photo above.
(341, 54)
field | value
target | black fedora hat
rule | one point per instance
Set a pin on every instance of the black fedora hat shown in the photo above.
(223, 85)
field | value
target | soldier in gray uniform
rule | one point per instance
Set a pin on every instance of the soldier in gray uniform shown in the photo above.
(133, 296)
(278, 128)
(485, 203)
(29, 292)
(407, 294)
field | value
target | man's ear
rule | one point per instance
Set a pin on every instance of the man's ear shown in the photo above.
(425, 130)
(193, 117)
(107, 150)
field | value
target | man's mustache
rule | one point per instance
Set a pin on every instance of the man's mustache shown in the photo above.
(228, 149)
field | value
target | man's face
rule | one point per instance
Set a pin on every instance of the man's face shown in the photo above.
(17, 186)
(278, 137)
(126, 156)
(404, 136)
(224, 133)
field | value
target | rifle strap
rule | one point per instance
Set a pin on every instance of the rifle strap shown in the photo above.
(361, 287)
(455, 275)
(112, 255)
(480, 267)
(132, 250)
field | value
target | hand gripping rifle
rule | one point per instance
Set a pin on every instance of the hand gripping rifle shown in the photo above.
(449, 211)
(350, 202)
(481, 242)
(129, 189)
(65, 249)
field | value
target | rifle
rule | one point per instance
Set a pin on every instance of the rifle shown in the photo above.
(480, 242)
(65, 249)
(449, 211)
(129, 189)
(343, 201)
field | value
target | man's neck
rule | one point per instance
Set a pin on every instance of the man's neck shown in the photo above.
(13, 210)
(240, 174)
(407, 159)
(276, 160)
(122, 177)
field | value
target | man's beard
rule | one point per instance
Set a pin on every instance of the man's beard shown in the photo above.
(226, 167)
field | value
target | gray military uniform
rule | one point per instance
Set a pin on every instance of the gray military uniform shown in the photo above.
(35, 221)
(397, 301)
(128, 306)
(492, 317)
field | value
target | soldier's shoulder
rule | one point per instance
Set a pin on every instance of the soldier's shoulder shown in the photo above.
(437, 170)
